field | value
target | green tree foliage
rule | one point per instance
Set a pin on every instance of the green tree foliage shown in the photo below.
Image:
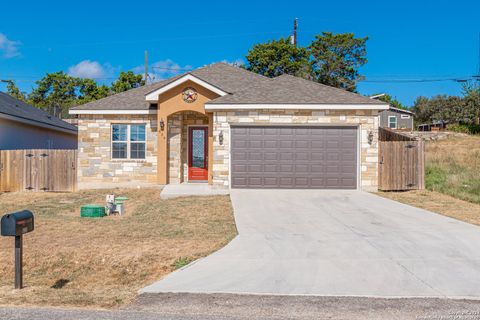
(126, 81)
(278, 57)
(89, 91)
(331, 59)
(471, 91)
(451, 109)
(392, 101)
(14, 91)
(336, 59)
(55, 93)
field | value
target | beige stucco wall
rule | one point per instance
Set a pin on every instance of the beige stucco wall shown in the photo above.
(367, 120)
(96, 168)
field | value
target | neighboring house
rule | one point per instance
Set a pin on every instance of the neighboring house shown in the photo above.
(23, 126)
(233, 129)
(395, 118)
(435, 125)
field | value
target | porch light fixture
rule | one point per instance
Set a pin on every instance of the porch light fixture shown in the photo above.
(370, 137)
(220, 137)
(162, 124)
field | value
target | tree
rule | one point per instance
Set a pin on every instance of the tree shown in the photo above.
(126, 81)
(89, 91)
(336, 59)
(441, 108)
(392, 101)
(14, 91)
(55, 93)
(471, 92)
(277, 57)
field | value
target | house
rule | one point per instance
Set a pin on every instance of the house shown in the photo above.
(435, 125)
(230, 128)
(396, 119)
(23, 126)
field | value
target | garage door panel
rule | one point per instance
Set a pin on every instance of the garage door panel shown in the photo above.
(239, 155)
(255, 143)
(270, 144)
(294, 157)
(255, 156)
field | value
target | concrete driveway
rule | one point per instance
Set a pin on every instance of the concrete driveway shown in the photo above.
(349, 243)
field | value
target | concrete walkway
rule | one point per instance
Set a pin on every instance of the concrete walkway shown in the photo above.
(336, 243)
(190, 189)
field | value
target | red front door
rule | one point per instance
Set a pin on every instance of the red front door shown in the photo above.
(197, 153)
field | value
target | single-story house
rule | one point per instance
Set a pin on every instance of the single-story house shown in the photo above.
(23, 126)
(396, 119)
(230, 128)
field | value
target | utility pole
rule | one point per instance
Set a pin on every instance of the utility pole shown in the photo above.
(295, 24)
(146, 67)
(478, 71)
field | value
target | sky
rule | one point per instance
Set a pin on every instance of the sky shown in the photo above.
(415, 41)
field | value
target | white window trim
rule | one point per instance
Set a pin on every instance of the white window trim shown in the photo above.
(128, 142)
(396, 122)
(405, 116)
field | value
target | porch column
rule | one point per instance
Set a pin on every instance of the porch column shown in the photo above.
(162, 150)
(210, 147)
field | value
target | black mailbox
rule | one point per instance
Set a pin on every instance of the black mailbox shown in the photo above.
(17, 223)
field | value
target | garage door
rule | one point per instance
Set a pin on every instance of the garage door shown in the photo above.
(294, 157)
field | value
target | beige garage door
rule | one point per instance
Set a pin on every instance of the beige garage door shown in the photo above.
(294, 157)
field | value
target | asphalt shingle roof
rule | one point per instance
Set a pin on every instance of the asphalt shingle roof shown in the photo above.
(287, 89)
(244, 87)
(16, 108)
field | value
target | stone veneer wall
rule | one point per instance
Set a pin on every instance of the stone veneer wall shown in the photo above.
(366, 119)
(96, 168)
(178, 143)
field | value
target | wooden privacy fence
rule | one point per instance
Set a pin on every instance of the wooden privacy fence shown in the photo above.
(401, 161)
(38, 170)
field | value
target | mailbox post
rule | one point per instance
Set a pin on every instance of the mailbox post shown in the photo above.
(16, 225)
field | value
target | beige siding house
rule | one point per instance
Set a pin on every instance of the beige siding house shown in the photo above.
(230, 128)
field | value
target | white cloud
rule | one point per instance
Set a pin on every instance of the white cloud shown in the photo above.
(9, 47)
(238, 62)
(91, 69)
(162, 69)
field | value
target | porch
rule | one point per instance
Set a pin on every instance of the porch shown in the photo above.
(187, 148)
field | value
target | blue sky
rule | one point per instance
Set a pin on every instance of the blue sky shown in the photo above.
(408, 39)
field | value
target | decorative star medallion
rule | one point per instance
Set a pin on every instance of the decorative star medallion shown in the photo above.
(189, 95)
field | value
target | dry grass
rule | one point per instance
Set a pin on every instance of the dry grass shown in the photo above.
(439, 203)
(73, 261)
(452, 179)
(453, 167)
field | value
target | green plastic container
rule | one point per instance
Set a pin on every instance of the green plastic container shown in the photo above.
(92, 211)
(120, 199)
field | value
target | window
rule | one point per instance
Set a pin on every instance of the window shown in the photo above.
(392, 122)
(128, 141)
(405, 116)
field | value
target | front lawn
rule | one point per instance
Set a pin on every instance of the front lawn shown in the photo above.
(73, 261)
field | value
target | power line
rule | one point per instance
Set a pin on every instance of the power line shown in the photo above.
(106, 43)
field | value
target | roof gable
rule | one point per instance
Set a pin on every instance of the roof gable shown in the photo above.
(153, 96)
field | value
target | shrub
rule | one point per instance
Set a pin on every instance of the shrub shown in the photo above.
(465, 128)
